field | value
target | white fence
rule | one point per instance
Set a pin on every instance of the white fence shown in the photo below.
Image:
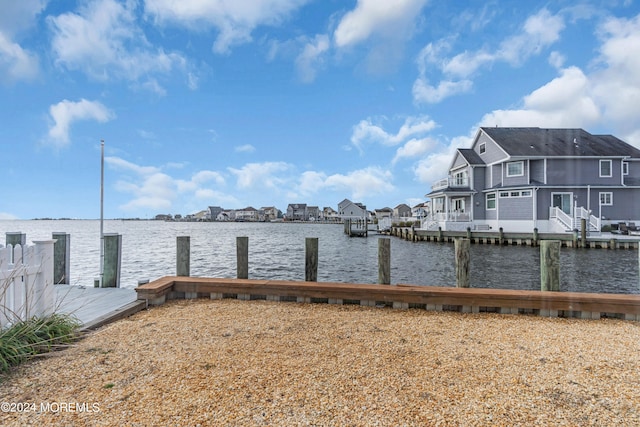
(26, 282)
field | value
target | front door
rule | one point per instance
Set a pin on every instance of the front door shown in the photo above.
(562, 201)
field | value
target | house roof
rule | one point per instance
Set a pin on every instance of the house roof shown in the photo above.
(471, 156)
(533, 142)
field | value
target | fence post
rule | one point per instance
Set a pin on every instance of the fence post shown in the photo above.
(463, 257)
(112, 260)
(183, 256)
(16, 238)
(311, 259)
(61, 258)
(384, 261)
(43, 292)
(583, 232)
(242, 252)
(550, 265)
(535, 236)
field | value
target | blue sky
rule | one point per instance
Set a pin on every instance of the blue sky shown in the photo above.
(264, 103)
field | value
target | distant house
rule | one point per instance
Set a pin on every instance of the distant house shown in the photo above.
(519, 179)
(402, 211)
(269, 213)
(313, 213)
(348, 209)
(330, 215)
(421, 210)
(247, 214)
(297, 212)
(385, 212)
(214, 211)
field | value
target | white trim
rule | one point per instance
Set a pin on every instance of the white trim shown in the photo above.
(521, 163)
(610, 168)
(604, 193)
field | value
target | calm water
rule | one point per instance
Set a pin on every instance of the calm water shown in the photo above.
(276, 251)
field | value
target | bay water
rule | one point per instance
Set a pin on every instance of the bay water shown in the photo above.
(276, 251)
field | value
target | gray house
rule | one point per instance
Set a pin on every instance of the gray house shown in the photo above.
(550, 179)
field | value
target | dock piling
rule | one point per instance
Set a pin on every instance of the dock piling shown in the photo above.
(242, 252)
(61, 258)
(311, 259)
(112, 260)
(550, 265)
(384, 261)
(463, 258)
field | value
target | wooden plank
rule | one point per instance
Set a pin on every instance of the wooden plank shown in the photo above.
(428, 295)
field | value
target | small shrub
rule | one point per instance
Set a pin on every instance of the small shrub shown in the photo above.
(34, 336)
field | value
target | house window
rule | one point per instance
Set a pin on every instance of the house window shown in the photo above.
(526, 193)
(606, 199)
(483, 148)
(625, 168)
(460, 179)
(491, 201)
(458, 205)
(605, 168)
(515, 168)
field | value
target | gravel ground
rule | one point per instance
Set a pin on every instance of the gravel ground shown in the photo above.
(228, 363)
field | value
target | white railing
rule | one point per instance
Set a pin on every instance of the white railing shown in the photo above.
(593, 222)
(26, 282)
(459, 182)
(560, 216)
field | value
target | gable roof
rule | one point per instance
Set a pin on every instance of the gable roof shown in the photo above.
(538, 142)
(471, 156)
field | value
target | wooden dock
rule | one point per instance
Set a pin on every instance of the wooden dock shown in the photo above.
(95, 307)
(568, 240)
(469, 300)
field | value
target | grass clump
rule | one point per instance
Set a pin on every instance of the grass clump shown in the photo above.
(28, 338)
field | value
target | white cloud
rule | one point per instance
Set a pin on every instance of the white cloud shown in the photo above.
(616, 81)
(261, 175)
(16, 62)
(66, 112)
(246, 148)
(538, 32)
(311, 182)
(311, 58)
(7, 216)
(234, 20)
(104, 41)
(372, 17)
(563, 102)
(368, 132)
(435, 166)
(151, 188)
(362, 183)
(414, 148)
(423, 92)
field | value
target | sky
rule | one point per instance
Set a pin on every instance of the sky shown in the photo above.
(238, 103)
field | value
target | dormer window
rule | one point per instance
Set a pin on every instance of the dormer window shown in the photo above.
(482, 147)
(605, 169)
(515, 169)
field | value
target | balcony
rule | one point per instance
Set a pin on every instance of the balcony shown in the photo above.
(455, 182)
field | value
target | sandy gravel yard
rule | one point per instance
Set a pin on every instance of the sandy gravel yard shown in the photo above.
(254, 363)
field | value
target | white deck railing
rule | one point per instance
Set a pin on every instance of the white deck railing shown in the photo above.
(26, 282)
(563, 218)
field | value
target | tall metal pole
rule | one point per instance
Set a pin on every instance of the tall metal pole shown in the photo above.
(101, 211)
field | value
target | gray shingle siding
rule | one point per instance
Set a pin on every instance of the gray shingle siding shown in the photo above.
(492, 153)
(536, 170)
(516, 208)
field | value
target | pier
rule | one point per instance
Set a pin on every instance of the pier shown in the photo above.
(568, 240)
